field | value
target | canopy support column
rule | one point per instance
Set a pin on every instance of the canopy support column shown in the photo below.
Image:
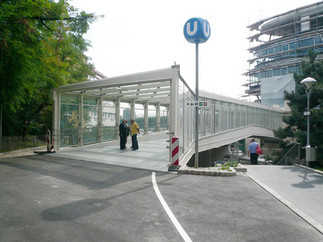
(56, 120)
(133, 110)
(146, 124)
(80, 127)
(174, 102)
(100, 124)
(117, 107)
(158, 117)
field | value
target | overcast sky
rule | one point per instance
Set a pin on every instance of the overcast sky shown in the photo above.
(144, 35)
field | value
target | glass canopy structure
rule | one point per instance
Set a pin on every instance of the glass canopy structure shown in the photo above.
(160, 101)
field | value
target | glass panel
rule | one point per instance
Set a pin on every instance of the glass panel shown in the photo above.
(291, 69)
(181, 132)
(69, 120)
(163, 118)
(140, 115)
(108, 120)
(276, 72)
(283, 71)
(278, 49)
(292, 46)
(271, 51)
(201, 122)
(306, 42)
(90, 120)
(125, 111)
(152, 118)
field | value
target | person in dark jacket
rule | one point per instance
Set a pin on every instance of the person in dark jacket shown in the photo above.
(123, 133)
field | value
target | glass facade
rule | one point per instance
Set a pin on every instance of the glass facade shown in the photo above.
(281, 43)
(71, 133)
(219, 116)
(84, 119)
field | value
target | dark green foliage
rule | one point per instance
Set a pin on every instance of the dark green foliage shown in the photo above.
(296, 122)
(41, 47)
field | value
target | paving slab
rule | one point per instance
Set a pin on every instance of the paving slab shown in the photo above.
(151, 155)
(301, 187)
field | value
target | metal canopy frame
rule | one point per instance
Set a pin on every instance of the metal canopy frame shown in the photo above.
(153, 86)
(159, 87)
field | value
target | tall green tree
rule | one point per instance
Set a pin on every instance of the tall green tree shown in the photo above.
(297, 101)
(41, 47)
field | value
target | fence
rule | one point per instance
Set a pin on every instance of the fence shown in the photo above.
(9, 143)
(291, 157)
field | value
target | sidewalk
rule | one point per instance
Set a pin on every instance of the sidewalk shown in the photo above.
(298, 188)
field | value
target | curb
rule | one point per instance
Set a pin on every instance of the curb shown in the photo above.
(310, 169)
(311, 221)
(28, 151)
(207, 171)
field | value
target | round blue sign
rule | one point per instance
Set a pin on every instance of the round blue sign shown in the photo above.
(197, 30)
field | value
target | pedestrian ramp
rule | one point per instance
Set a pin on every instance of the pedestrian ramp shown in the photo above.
(151, 155)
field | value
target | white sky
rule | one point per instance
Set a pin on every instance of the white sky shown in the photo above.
(145, 35)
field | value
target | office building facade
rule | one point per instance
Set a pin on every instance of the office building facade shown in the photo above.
(278, 45)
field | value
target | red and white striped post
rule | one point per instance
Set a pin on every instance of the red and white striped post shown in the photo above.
(175, 154)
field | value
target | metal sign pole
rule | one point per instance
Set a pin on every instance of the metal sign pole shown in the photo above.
(197, 30)
(197, 109)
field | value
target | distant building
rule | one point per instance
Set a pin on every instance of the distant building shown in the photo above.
(97, 75)
(280, 44)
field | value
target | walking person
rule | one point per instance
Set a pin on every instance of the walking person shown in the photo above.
(252, 152)
(134, 132)
(123, 133)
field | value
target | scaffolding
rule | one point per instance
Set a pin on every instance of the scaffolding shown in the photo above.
(281, 44)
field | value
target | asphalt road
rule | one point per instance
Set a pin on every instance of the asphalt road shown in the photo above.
(48, 198)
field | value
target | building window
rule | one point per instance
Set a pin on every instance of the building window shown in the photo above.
(271, 50)
(291, 69)
(262, 74)
(283, 71)
(292, 46)
(276, 72)
(285, 47)
(318, 40)
(269, 73)
(306, 42)
(278, 49)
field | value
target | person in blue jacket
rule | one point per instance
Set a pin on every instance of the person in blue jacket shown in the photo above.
(252, 148)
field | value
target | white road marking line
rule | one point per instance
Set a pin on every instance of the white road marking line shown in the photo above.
(168, 211)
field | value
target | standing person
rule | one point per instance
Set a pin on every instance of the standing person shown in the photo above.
(134, 132)
(252, 152)
(123, 133)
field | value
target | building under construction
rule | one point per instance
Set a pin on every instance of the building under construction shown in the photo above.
(279, 44)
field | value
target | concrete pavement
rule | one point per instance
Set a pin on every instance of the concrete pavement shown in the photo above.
(152, 153)
(299, 188)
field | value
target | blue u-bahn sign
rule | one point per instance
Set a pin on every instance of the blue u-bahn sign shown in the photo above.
(197, 30)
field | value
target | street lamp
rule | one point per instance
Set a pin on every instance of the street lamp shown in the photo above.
(308, 83)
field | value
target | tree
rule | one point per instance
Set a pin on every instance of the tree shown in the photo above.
(296, 122)
(41, 47)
